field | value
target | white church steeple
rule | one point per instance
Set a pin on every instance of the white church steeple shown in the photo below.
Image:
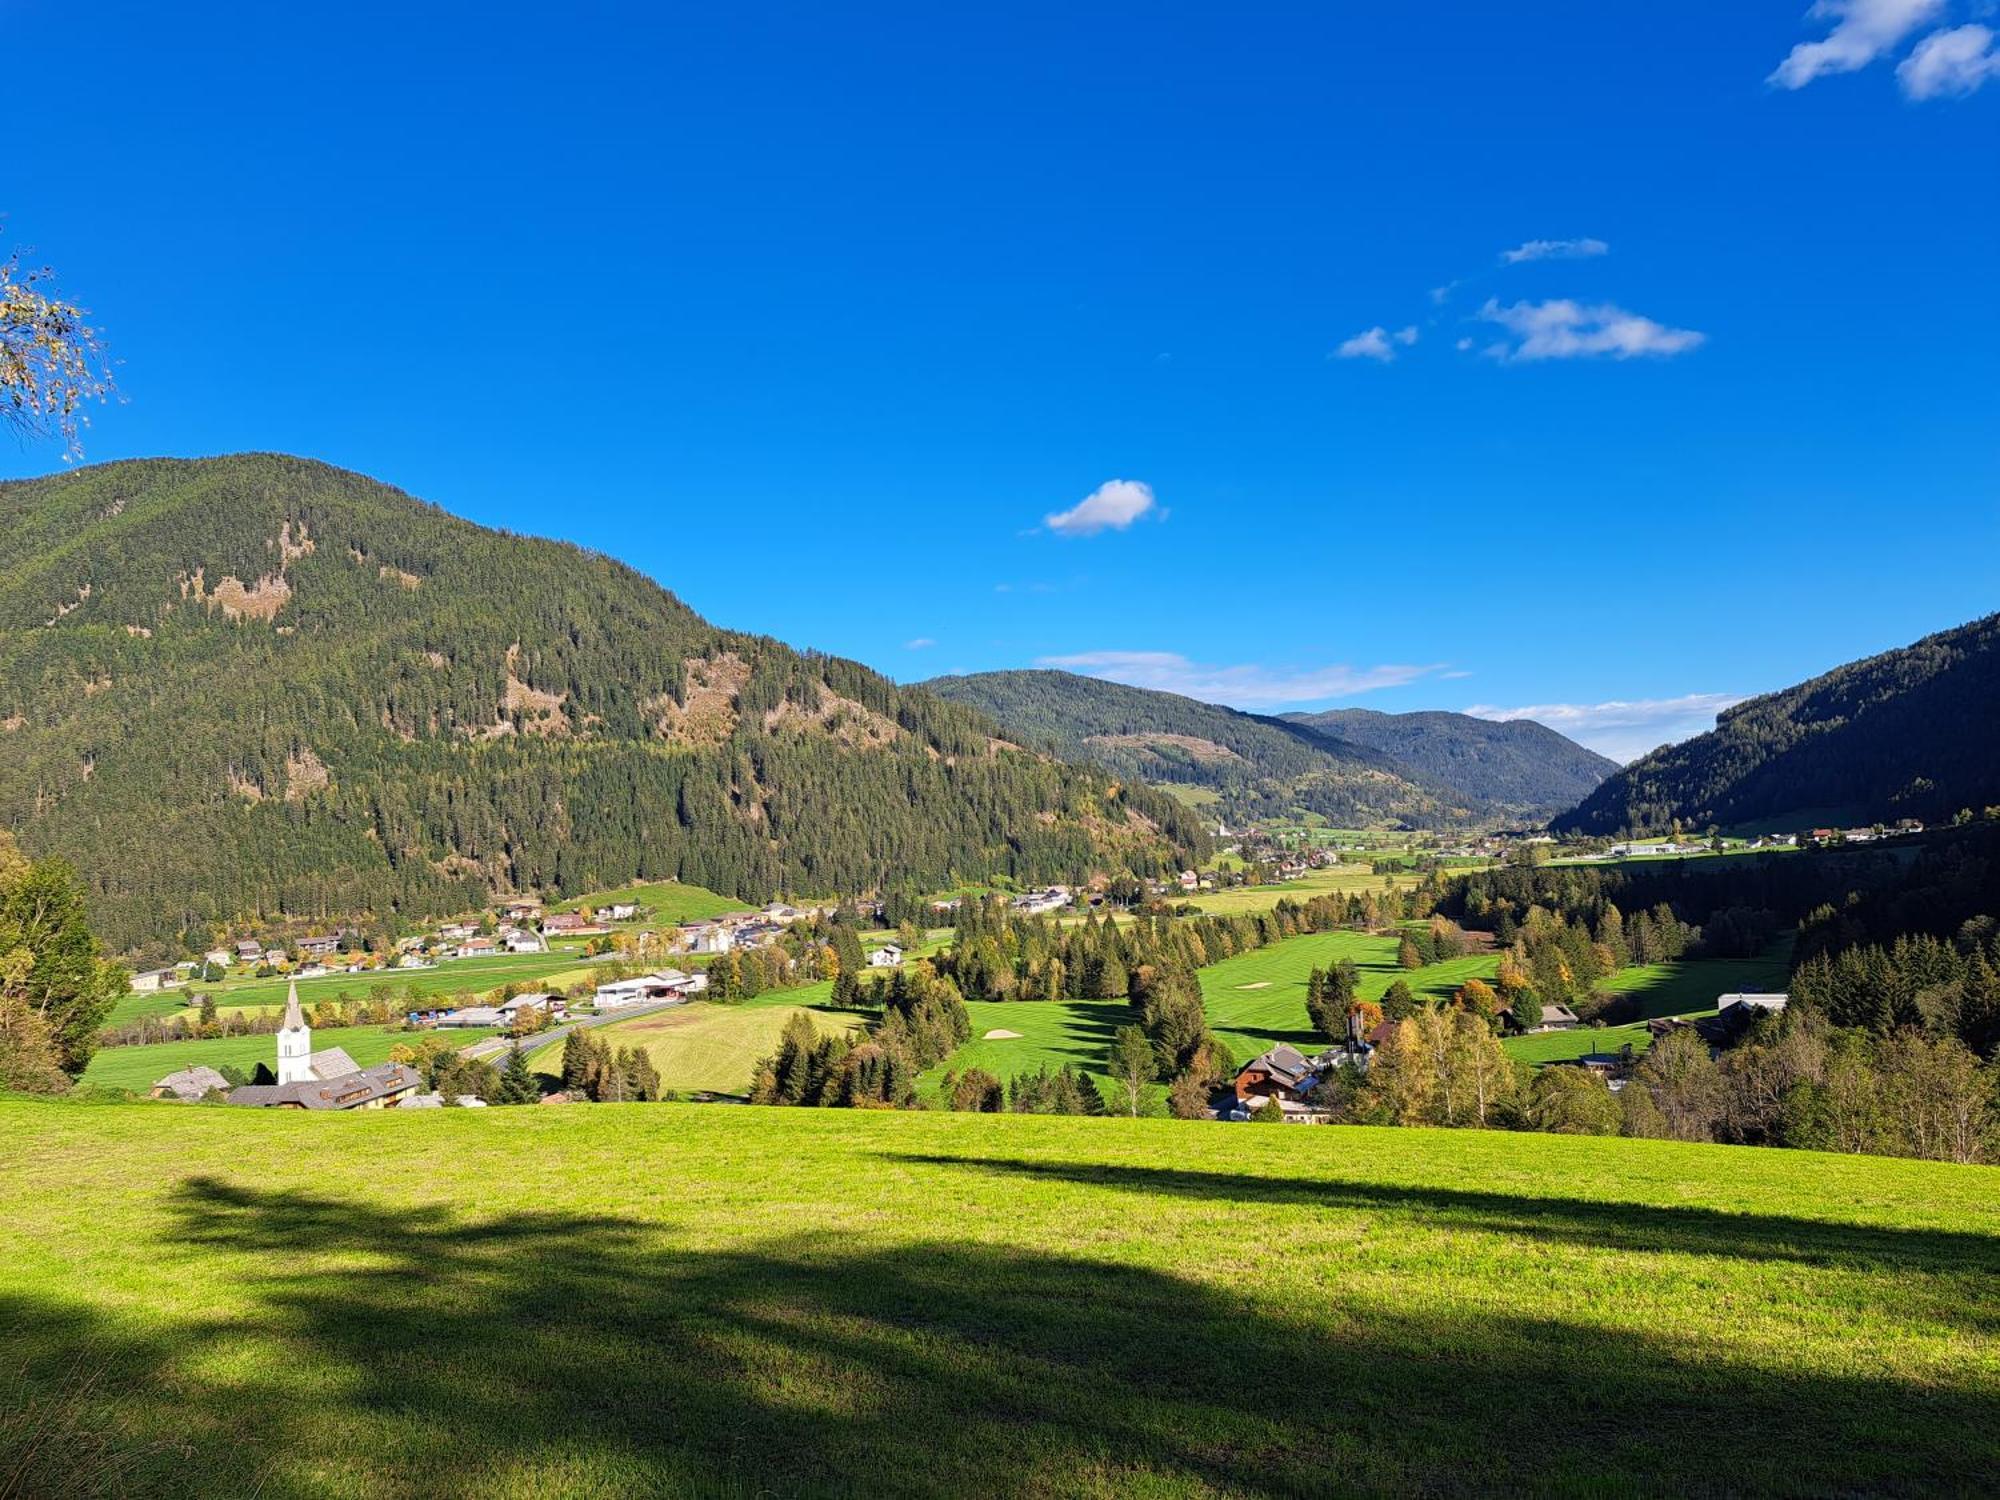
(295, 1043)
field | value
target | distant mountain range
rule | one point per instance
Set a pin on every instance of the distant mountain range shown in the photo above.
(1354, 768)
(1910, 733)
(252, 688)
(1519, 766)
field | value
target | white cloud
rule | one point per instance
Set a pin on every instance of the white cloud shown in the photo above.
(1248, 686)
(1863, 30)
(921, 643)
(1622, 729)
(1376, 343)
(1562, 329)
(1112, 506)
(1949, 64)
(1555, 250)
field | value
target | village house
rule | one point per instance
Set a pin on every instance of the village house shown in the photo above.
(317, 947)
(478, 947)
(705, 937)
(664, 987)
(248, 951)
(780, 913)
(888, 956)
(148, 981)
(520, 940)
(757, 934)
(521, 911)
(619, 911)
(1554, 1018)
(190, 1085)
(1282, 1079)
(570, 924)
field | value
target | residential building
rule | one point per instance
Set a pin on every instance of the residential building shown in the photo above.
(148, 981)
(190, 1085)
(888, 956)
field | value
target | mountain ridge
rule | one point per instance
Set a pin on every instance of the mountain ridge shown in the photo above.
(238, 688)
(1907, 732)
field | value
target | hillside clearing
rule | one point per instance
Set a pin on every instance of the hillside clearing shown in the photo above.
(670, 1299)
(707, 1047)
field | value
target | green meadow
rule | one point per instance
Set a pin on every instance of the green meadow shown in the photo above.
(705, 1046)
(141, 1067)
(664, 900)
(614, 1300)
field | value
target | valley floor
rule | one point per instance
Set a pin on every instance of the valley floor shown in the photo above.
(656, 1299)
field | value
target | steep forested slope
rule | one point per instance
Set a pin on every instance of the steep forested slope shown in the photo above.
(1909, 733)
(259, 686)
(1521, 767)
(1258, 765)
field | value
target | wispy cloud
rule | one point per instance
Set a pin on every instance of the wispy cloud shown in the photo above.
(1863, 30)
(1623, 729)
(1112, 506)
(1949, 64)
(1562, 329)
(1376, 343)
(920, 643)
(1554, 250)
(1247, 686)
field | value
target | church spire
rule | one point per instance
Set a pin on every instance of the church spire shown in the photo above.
(294, 1018)
(294, 1042)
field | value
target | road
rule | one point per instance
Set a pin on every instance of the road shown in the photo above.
(493, 1048)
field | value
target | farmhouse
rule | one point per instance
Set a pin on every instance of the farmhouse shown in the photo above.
(520, 940)
(190, 1085)
(885, 957)
(1554, 1018)
(317, 947)
(785, 915)
(521, 911)
(706, 937)
(148, 981)
(1282, 1079)
(619, 911)
(478, 947)
(248, 951)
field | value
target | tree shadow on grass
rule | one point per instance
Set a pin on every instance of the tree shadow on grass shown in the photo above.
(373, 1351)
(1968, 1262)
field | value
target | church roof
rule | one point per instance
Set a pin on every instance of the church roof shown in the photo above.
(294, 1017)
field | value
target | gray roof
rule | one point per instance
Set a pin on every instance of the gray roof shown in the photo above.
(348, 1091)
(191, 1083)
(332, 1062)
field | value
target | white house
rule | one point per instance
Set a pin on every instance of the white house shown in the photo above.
(649, 989)
(885, 957)
(149, 980)
(619, 911)
(707, 937)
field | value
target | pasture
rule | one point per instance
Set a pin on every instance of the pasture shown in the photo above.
(1339, 880)
(665, 900)
(712, 1047)
(140, 1068)
(678, 1299)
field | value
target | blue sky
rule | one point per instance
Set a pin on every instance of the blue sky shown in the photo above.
(831, 318)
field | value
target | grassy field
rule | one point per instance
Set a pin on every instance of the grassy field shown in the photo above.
(1340, 879)
(676, 1299)
(1681, 988)
(1258, 998)
(666, 900)
(142, 1067)
(476, 975)
(713, 1047)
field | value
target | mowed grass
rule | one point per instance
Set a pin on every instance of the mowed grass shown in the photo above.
(142, 1067)
(1690, 985)
(1258, 999)
(713, 1047)
(678, 1299)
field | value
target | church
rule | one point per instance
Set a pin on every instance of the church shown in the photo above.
(327, 1079)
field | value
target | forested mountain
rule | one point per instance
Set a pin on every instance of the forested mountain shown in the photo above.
(1259, 766)
(256, 687)
(1909, 733)
(1520, 767)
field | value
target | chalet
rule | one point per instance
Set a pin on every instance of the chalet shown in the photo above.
(317, 947)
(782, 914)
(1284, 1079)
(1613, 1067)
(220, 957)
(275, 956)
(190, 1085)
(1189, 880)
(1736, 1014)
(451, 932)
(570, 924)
(519, 940)
(311, 971)
(885, 957)
(1038, 903)
(248, 951)
(1554, 1018)
(619, 911)
(148, 981)
(478, 947)
(521, 911)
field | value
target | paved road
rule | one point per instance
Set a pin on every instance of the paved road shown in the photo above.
(493, 1048)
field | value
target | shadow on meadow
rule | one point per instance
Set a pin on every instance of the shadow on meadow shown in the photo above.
(378, 1352)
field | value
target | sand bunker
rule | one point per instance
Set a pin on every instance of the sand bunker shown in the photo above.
(997, 1035)
(1262, 984)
